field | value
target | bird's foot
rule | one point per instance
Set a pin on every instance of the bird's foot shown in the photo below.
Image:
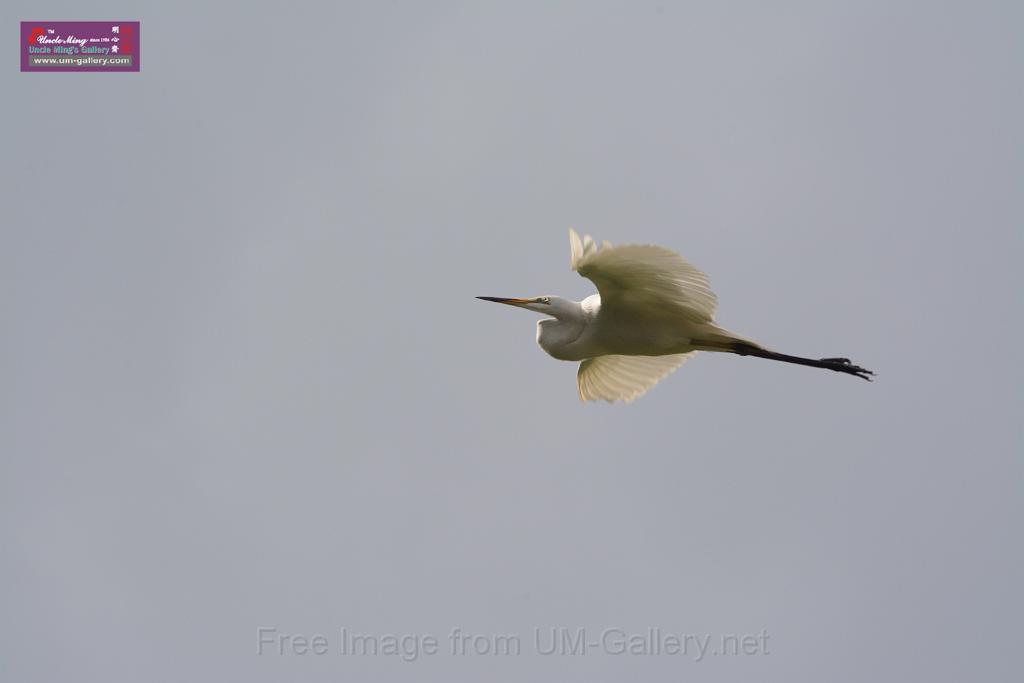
(844, 365)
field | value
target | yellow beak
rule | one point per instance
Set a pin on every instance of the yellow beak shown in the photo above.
(504, 300)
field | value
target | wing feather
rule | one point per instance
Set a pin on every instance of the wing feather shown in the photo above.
(643, 277)
(624, 378)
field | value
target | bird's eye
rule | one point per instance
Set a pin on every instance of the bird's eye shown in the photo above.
(545, 299)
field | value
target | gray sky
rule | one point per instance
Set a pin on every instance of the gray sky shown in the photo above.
(246, 382)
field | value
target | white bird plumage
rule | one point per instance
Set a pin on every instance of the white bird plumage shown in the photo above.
(652, 312)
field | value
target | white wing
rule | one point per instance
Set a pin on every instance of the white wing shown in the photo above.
(624, 378)
(642, 278)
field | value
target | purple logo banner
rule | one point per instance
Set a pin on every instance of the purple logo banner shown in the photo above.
(79, 46)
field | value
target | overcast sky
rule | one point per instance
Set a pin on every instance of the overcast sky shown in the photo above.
(246, 383)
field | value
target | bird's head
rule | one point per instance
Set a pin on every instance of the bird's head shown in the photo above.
(555, 306)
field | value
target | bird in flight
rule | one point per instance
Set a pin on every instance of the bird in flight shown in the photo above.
(652, 312)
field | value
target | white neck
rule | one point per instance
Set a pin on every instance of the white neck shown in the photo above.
(556, 335)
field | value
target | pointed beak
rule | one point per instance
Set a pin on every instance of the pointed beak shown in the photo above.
(504, 300)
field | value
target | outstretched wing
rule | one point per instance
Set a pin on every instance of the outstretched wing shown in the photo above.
(624, 378)
(643, 278)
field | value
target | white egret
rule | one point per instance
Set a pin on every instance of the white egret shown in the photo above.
(652, 312)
